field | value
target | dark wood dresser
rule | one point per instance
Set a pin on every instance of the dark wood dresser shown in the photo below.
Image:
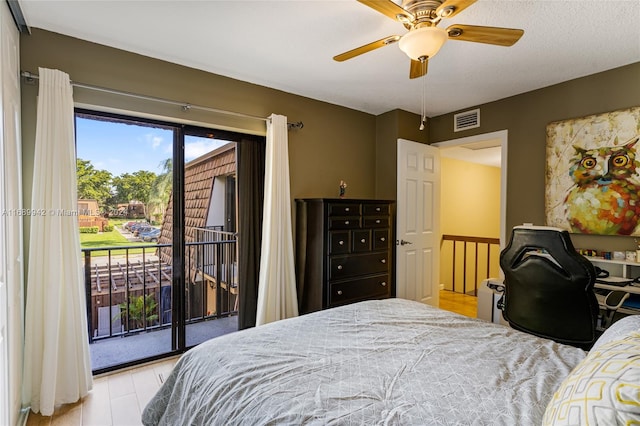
(344, 251)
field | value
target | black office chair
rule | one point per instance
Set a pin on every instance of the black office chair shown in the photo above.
(548, 287)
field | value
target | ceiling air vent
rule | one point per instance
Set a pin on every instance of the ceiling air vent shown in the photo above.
(466, 120)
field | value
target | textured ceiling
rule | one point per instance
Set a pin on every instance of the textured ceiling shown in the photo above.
(289, 45)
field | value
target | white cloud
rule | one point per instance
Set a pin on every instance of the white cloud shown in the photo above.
(153, 140)
(194, 148)
(156, 141)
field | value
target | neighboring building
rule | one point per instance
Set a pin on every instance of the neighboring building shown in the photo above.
(209, 203)
(205, 196)
(89, 215)
(88, 208)
(209, 181)
(135, 210)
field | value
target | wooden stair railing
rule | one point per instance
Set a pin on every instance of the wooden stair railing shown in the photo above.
(455, 239)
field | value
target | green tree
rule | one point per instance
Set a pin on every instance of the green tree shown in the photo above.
(134, 186)
(161, 191)
(93, 184)
(140, 308)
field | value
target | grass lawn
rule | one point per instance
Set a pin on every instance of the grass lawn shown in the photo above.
(110, 239)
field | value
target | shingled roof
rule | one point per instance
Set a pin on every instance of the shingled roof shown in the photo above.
(199, 176)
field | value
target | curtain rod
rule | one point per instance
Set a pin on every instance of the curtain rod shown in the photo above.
(30, 77)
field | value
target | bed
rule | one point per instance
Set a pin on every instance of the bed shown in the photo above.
(383, 362)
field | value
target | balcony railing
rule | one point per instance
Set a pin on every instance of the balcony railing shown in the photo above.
(129, 288)
(216, 262)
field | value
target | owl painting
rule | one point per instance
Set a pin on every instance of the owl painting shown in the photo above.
(604, 198)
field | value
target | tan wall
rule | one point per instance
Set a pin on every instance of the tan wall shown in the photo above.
(470, 206)
(389, 127)
(321, 153)
(525, 117)
(336, 142)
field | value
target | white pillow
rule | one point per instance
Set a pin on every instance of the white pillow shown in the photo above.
(618, 329)
(603, 389)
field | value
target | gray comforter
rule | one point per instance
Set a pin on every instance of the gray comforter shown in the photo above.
(391, 362)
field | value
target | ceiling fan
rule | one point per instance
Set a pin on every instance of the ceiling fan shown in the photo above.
(425, 38)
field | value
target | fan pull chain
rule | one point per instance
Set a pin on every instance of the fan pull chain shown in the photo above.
(424, 94)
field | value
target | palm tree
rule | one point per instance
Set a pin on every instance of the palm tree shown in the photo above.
(141, 312)
(161, 191)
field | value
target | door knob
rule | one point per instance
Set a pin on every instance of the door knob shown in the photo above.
(403, 242)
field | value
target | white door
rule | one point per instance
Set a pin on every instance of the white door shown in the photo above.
(418, 222)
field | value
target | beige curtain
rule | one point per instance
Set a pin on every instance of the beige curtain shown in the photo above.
(277, 297)
(57, 366)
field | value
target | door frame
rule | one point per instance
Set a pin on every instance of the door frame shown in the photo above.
(503, 136)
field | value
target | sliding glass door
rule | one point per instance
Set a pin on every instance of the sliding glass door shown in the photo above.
(210, 266)
(157, 210)
(125, 180)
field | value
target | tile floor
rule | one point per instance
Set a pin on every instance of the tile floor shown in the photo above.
(117, 399)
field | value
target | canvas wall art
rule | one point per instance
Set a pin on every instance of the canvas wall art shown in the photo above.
(593, 174)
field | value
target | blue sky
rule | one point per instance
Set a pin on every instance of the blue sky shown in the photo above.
(123, 148)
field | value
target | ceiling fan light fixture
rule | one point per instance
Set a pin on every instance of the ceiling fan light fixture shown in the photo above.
(423, 42)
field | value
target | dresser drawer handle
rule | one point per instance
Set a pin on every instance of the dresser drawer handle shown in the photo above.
(383, 260)
(339, 292)
(339, 267)
(346, 222)
(363, 241)
(383, 284)
(383, 239)
(378, 209)
(346, 209)
(341, 242)
(377, 220)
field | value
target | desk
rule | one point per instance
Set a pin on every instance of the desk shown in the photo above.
(633, 290)
(620, 268)
(488, 297)
(616, 268)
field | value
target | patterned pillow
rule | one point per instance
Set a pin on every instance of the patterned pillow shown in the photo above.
(603, 389)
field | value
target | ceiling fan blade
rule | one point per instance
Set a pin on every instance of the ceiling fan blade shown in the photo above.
(390, 9)
(489, 35)
(366, 48)
(418, 69)
(451, 8)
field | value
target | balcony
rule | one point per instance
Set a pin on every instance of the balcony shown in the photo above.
(130, 298)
